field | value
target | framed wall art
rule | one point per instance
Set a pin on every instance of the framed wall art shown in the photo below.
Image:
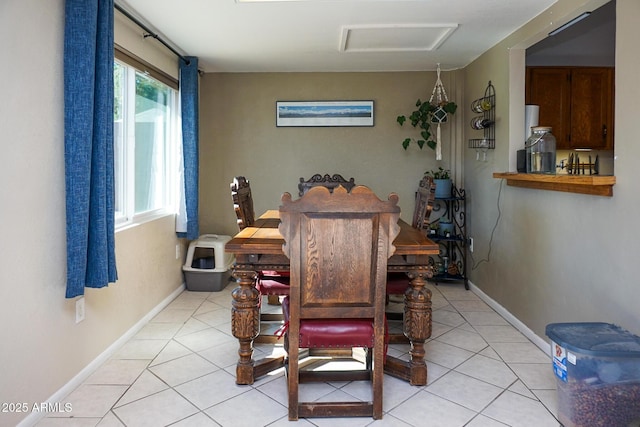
(324, 113)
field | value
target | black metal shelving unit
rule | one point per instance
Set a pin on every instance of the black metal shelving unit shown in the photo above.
(486, 108)
(451, 264)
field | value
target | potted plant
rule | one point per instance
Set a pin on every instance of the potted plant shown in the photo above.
(445, 227)
(442, 179)
(433, 228)
(423, 117)
(435, 111)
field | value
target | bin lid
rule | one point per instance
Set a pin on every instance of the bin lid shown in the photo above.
(211, 241)
(595, 339)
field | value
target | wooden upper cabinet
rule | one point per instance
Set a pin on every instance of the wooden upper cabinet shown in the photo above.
(577, 102)
(592, 108)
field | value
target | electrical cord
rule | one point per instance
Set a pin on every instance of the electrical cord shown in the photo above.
(492, 231)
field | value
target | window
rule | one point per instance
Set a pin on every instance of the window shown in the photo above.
(145, 138)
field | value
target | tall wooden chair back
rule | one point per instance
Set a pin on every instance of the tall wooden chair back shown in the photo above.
(271, 283)
(338, 245)
(397, 283)
(326, 180)
(242, 202)
(425, 197)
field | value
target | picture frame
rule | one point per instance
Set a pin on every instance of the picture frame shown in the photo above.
(324, 113)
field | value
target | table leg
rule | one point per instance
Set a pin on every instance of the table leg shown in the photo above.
(417, 323)
(245, 322)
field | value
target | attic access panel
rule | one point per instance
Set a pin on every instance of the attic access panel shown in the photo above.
(394, 37)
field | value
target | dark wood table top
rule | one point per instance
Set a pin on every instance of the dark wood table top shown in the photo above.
(264, 238)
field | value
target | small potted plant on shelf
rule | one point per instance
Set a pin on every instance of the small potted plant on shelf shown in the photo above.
(442, 179)
(445, 227)
(433, 228)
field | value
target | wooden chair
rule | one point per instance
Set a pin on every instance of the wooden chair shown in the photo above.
(242, 202)
(273, 284)
(425, 197)
(326, 180)
(397, 283)
(338, 245)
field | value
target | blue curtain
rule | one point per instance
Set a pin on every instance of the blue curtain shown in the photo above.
(189, 106)
(88, 144)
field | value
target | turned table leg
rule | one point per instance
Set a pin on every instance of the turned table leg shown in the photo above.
(417, 323)
(245, 322)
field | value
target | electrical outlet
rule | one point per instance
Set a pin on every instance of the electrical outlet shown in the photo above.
(470, 244)
(178, 251)
(79, 309)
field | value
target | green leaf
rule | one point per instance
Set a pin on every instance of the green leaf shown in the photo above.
(450, 107)
(422, 118)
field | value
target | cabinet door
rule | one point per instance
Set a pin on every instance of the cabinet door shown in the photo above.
(550, 88)
(591, 108)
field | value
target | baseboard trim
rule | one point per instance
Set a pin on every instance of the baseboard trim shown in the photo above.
(541, 343)
(76, 381)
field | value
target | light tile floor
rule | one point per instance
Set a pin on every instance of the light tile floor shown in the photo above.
(179, 371)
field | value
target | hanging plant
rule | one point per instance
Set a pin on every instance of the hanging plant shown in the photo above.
(435, 111)
(423, 117)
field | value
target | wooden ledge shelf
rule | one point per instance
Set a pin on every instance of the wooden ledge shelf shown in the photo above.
(596, 185)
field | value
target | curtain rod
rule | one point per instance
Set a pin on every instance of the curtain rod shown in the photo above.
(150, 33)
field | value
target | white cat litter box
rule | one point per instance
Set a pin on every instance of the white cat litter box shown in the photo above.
(207, 267)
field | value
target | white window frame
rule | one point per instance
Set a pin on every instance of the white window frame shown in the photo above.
(127, 217)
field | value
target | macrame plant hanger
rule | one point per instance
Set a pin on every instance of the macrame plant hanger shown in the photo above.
(439, 115)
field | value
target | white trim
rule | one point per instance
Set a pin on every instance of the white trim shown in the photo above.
(143, 219)
(76, 381)
(386, 31)
(535, 339)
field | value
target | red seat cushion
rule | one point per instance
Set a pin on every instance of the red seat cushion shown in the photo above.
(273, 273)
(336, 333)
(333, 333)
(273, 285)
(397, 283)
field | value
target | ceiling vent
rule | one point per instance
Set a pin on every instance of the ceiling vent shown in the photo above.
(394, 37)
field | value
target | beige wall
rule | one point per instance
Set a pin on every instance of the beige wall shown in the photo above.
(130, 36)
(43, 348)
(239, 137)
(556, 257)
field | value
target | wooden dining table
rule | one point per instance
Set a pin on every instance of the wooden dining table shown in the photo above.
(259, 247)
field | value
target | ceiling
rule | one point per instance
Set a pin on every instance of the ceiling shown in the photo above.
(333, 35)
(590, 42)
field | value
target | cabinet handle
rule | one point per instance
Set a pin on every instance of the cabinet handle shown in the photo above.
(604, 131)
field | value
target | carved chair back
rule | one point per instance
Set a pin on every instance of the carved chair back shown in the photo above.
(326, 180)
(338, 244)
(242, 202)
(397, 283)
(425, 196)
(271, 283)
